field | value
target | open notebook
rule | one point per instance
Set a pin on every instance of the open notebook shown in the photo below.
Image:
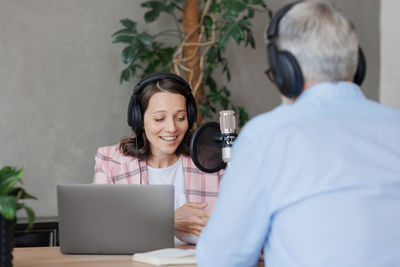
(168, 256)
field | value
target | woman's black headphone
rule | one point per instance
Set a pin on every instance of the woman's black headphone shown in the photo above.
(135, 112)
(285, 69)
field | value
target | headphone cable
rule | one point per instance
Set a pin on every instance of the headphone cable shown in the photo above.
(137, 154)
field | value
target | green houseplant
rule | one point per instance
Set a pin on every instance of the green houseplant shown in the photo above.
(11, 194)
(203, 29)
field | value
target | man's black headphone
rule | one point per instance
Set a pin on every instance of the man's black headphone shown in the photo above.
(285, 69)
(135, 112)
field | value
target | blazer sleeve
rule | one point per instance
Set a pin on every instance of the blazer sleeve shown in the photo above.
(220, 174)
(100, 167)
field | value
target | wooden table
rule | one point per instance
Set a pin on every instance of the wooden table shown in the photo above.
(52, 257)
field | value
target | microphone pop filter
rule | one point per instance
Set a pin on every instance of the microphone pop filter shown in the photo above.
(205, 149)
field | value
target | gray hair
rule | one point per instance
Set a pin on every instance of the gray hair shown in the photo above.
(322, 39)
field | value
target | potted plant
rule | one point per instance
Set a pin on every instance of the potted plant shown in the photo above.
(11, 194)
(203, 29)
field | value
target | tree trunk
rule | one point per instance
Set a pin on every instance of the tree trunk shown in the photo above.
(190, 23)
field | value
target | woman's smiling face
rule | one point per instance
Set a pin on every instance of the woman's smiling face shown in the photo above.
(165, 123)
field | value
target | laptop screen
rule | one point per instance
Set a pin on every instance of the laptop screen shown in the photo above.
(115, 219)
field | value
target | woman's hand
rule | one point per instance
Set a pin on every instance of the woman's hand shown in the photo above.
(191, 218)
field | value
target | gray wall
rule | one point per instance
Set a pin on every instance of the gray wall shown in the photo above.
(60, 91)
(390, 57)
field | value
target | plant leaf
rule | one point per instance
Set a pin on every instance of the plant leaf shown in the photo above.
(203, 110)
(250, 12)
(243, 116)
(8, 207)
(244, 23)
(8, 171)
(208, 22)
(21, 193)
(123, 31)
(169, 9)
(145, 39)
(215, 7)
(130, 24)
(259, 2)
(127, 54)
(9, 177)
(151, 15)
(230, 29)
(133, 68)
(123, 39)
(250, 39)
(236, 7)
(31, 217)
(212, 84)
(125, 75)
(153, 4)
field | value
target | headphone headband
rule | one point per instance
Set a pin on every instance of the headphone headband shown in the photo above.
(159, 76)
(273, 25)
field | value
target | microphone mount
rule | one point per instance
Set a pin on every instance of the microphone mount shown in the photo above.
(226, 139)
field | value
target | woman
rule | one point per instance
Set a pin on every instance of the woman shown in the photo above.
(161, 113)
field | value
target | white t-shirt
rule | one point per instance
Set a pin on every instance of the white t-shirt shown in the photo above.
(173, 175)
(170, 175)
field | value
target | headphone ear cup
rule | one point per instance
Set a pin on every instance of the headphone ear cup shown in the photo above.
(290, 75)
(135, 116)
(129, 113)
(286, 71)
(191, 110)
(272, 52)
(361, 68)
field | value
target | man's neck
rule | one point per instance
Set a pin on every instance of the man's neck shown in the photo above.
(305, 87)
(286, 100)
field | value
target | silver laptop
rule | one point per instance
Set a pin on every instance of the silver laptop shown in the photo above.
(115, 219)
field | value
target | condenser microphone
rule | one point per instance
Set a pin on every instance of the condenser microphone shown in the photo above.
(210, 146)
(227, 123)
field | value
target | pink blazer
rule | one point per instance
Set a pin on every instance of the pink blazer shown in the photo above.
(112, 167)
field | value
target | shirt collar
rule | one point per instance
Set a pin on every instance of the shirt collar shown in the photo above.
(340, 89)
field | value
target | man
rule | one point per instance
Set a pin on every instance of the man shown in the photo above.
(315, 183)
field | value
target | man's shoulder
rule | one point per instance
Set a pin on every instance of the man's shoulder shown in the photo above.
(377, 108)
(269, 121)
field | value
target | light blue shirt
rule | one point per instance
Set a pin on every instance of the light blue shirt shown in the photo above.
(316, 183)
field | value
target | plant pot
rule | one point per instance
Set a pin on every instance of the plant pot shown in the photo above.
(6, 242)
